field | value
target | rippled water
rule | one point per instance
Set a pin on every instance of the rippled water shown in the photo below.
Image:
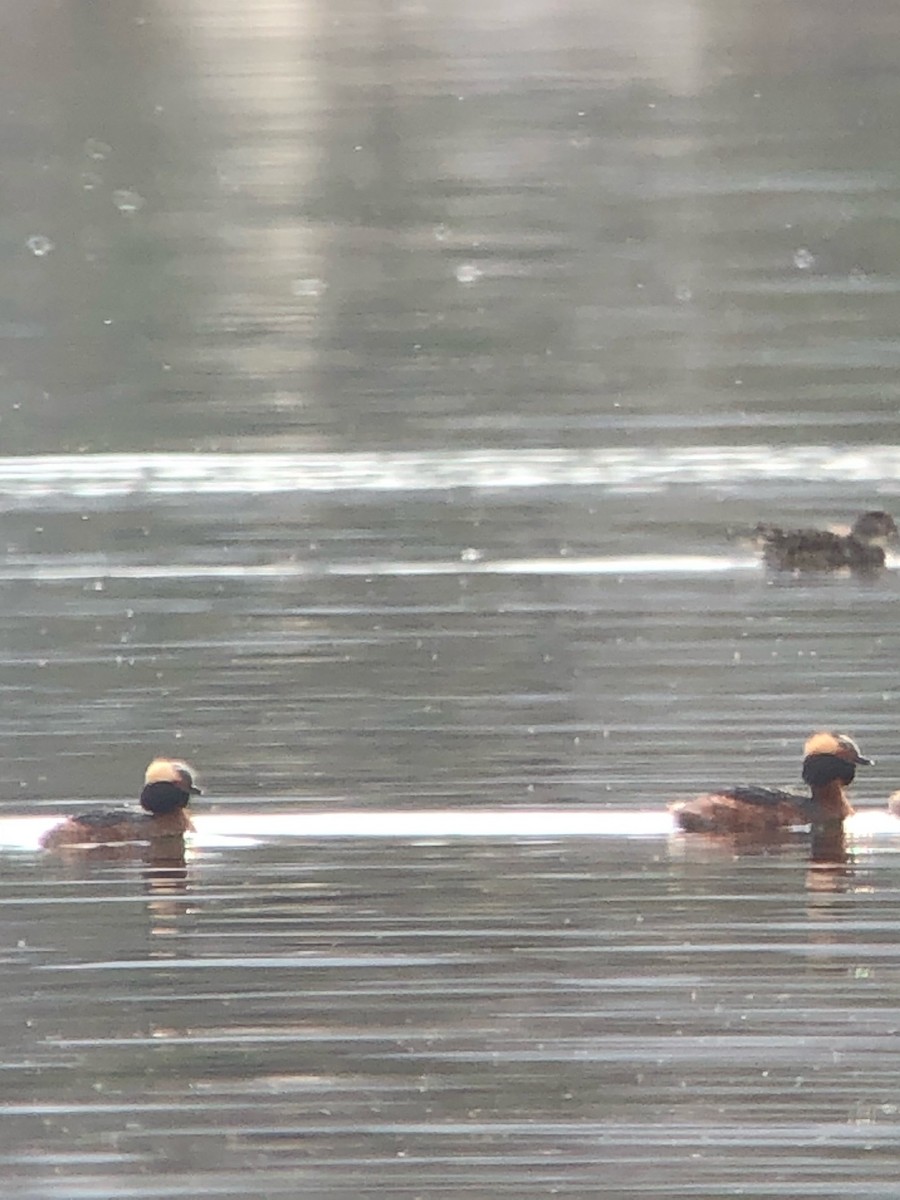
(386, 395)
(495, 1018)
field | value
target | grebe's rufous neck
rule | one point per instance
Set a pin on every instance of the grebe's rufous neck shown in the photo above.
(829, 766)
(862, 549)
(168, 787)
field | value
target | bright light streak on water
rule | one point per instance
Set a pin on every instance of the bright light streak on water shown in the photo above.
(60, 479)
(676, 564)
(245, 829)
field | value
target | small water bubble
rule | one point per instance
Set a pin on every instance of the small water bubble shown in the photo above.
(96, 149)
(441, 233)
(804, 260)
(471, 555)
(468, 273)
(39, 245)
(90, 180)
(127, 201)
(683, 294)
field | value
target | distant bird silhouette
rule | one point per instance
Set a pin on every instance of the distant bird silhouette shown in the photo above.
(861, 550)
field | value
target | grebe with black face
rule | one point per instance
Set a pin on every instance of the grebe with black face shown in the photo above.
(829, 766)
(168, 787)
(860, 550)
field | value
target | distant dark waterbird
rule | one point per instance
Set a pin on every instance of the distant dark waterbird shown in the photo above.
(861, 550)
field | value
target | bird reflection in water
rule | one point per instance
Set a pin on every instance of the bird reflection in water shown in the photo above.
(166, 884)
(830, 859)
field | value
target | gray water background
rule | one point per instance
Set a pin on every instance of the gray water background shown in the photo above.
(383, 388)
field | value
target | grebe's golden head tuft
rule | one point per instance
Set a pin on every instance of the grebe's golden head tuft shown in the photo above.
(837, 744)
(172, 770)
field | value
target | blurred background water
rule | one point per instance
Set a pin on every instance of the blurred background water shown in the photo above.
(384, 391)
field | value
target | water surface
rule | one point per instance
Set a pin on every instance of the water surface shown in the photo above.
(385, 394)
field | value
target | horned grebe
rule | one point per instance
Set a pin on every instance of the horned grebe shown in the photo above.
(168, 786)
(862, 549)
(829, 765)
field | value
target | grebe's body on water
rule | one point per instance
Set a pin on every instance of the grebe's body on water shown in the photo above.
(168, 787)
(861, 550)
(829, 766)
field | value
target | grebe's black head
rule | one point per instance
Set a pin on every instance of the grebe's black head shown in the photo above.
(821, 769)
(168, 786)
(830, 756)
(161, 798)
(878, 528)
